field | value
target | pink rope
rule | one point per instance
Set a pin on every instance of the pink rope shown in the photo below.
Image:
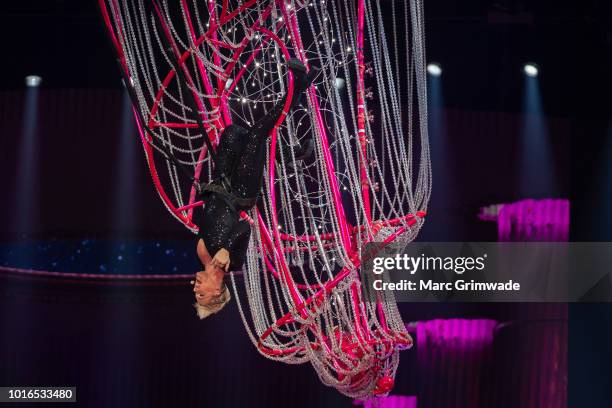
(329, 164)
(94, 276)
(365, 192)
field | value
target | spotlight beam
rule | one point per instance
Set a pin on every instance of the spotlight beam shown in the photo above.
(25, 197)
(537, 169)
(125, 210)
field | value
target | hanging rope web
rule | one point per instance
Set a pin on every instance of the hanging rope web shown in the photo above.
(194, 66)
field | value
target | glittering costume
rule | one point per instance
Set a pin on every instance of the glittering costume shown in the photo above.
(238, 177)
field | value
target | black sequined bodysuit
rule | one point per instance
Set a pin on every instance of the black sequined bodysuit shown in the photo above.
(240, 163)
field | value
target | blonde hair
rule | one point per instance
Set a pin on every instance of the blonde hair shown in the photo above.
(205, 311)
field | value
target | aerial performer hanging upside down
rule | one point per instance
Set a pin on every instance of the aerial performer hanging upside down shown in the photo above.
(201, 74)
(223, 237)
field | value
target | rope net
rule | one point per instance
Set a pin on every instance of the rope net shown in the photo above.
(193, 67)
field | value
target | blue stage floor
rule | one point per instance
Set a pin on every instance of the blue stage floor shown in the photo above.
(129, 257)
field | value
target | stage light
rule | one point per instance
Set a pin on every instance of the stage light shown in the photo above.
(434, 69)
(33, 81)
(531, 69)
(339, 83)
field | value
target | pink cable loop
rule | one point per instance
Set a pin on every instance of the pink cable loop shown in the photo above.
(333, 236)
(155, 177)
(339, 208)
(214, 104)
(190, 206)
(152, 123)
(295, 294)
(365, 192)
(218, 102)
(317, 297)
(146, 145)
(191, 83)
(217, 61)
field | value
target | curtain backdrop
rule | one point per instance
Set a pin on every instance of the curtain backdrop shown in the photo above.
(534, 220)
(530, 365)
(454, 361)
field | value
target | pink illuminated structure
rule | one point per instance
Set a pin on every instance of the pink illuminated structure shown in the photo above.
(531, 220)
(193, 66)
(391, 401)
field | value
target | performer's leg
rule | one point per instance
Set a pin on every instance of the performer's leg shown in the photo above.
(231, 146)
(301, 81)
(247, 176)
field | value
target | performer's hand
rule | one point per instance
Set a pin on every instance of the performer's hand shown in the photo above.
(221, 259)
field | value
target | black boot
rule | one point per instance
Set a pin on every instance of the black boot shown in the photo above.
(302, 79)
(301, 152)
(304, 151)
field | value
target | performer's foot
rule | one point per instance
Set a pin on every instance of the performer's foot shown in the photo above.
(297, 67)
(304, 150)
(302, 77)
(301, 152)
